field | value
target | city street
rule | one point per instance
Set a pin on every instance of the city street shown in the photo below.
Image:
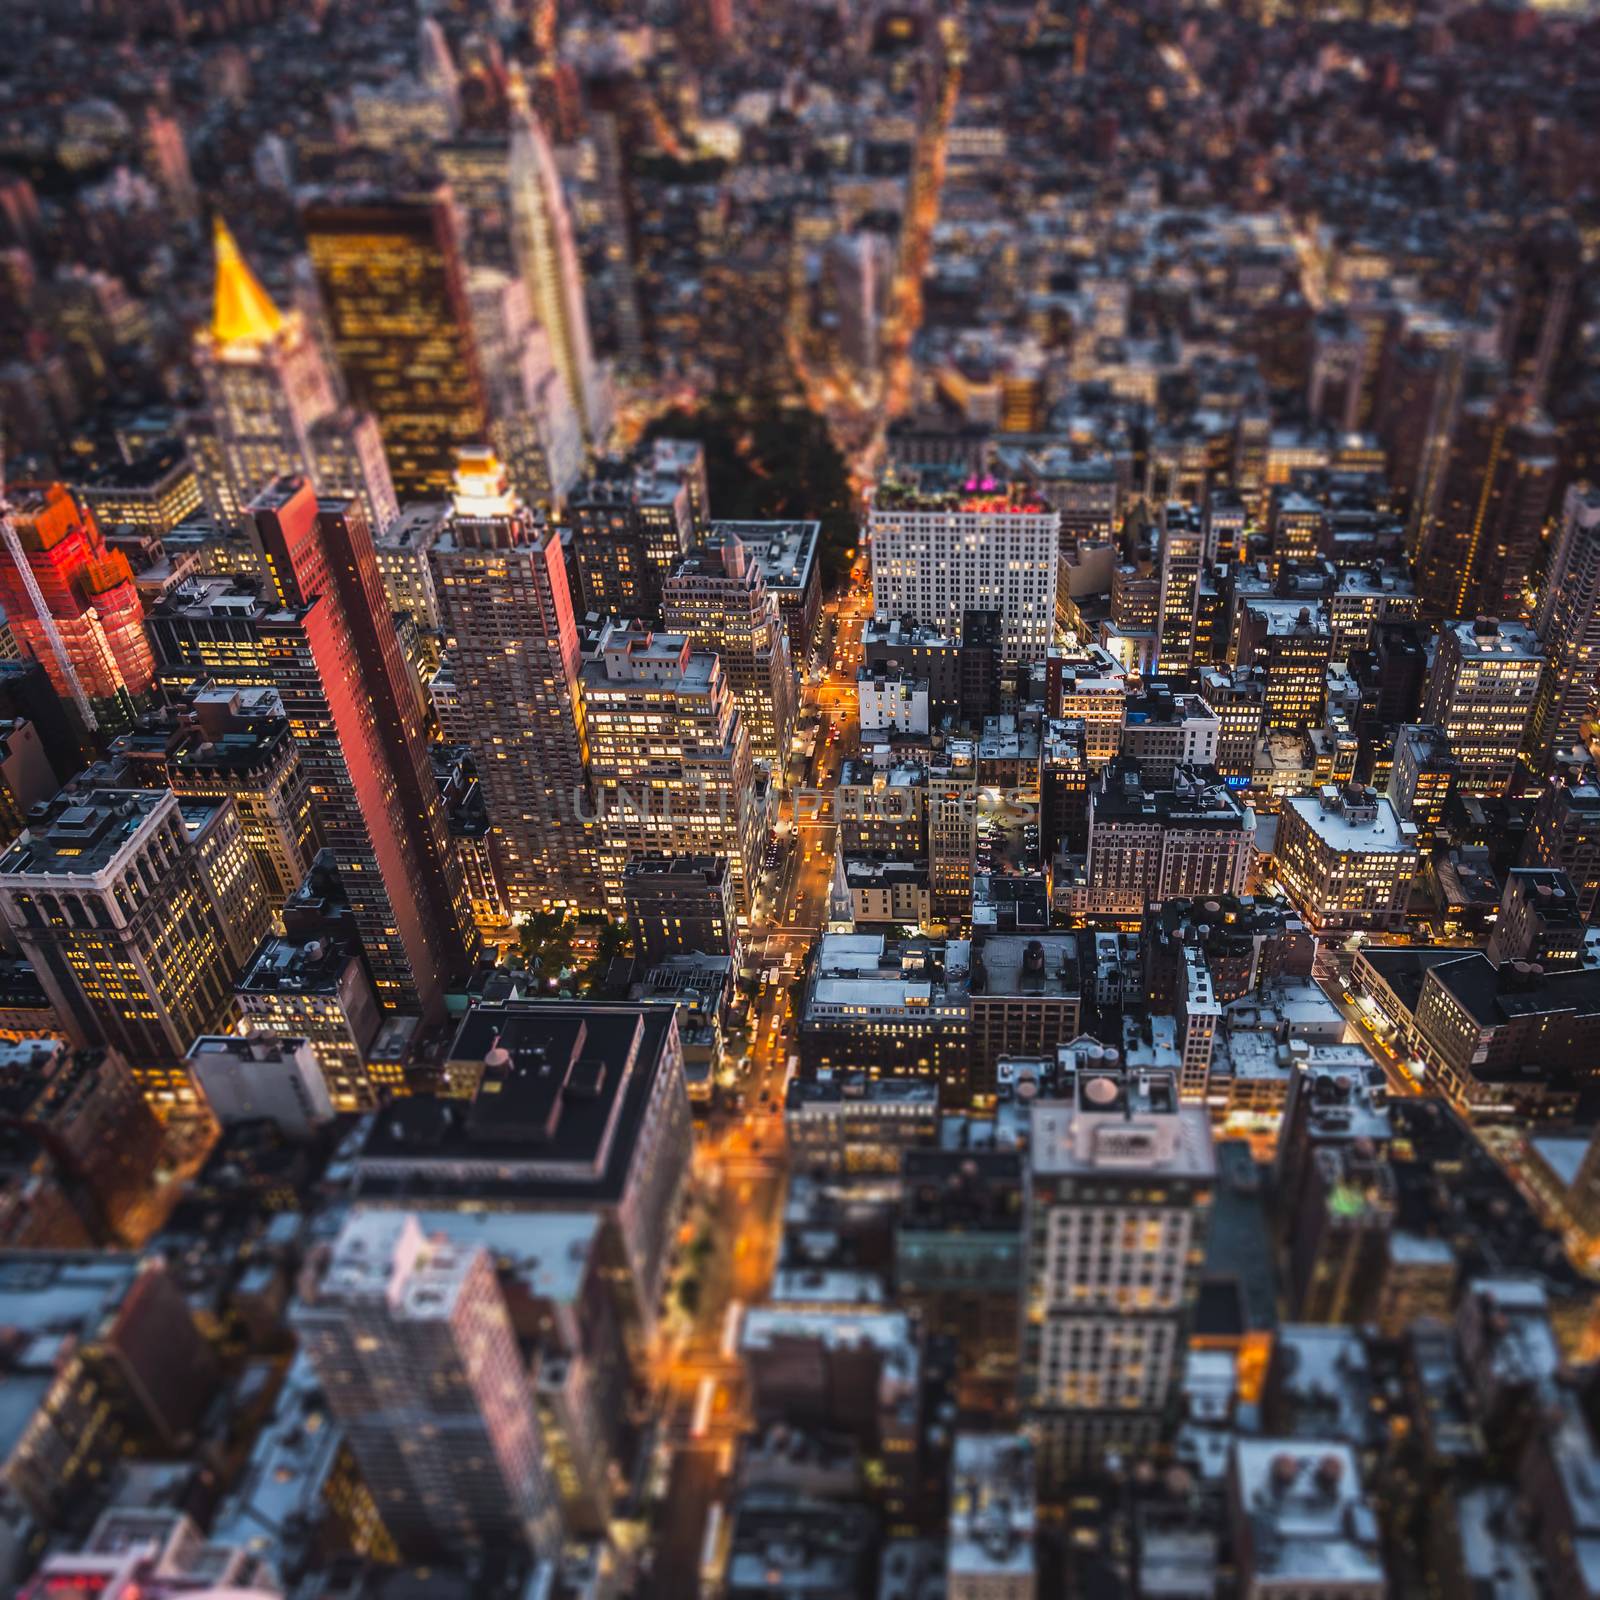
(1361, 1021)
(740, 1169)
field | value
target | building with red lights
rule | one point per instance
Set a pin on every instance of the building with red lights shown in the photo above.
(362, 736)
(88, 592)
(937, 556)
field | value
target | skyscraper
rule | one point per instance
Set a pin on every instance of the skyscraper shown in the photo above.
(669, 759)
(630, 529)
(937, 556)
(1567, 622)
(72, 604)
(137, 912)
(393, 285)
(1119, 1182)
(1476, 554)
(1183, 541)
(341, 676)
(1481, 692)
(412, 1341)
(274, 405)
(534, 425)
(547, 259)
(233, 742)
(719, 597)
(514, 654)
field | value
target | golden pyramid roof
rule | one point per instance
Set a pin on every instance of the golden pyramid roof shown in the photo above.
(243, 309)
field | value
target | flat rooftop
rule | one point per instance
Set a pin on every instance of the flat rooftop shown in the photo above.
(1353, 834)
(563, 1098)
(786, 552)
(80, 835)
(1025, 964)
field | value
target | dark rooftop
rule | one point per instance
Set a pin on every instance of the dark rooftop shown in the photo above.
(557, 1114)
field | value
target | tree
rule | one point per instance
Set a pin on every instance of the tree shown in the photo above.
(769, 457)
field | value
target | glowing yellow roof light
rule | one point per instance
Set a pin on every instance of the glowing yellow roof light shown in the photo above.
(243, 309)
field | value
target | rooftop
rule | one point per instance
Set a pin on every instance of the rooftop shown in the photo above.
(286, 964)
(1308, 1522)
(1489, 639)
(563, 1097)
(992, 1506)
(785, 551)
(80, 835)
(1025, 964)
(1122, 1121)
(1354, 820)
(1197, 798)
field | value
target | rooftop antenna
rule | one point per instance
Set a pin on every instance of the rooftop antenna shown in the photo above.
(58, 648)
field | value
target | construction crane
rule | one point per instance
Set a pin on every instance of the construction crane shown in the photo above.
(58, 646)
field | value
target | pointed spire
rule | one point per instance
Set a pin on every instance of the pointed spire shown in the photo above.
(243, 309)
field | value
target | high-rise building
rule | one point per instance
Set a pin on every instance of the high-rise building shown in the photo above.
(80, 1150)
(151, 488)
(1346, 859)
(72, 604)
(1565, 833)
(787, 555)
(1164, 729)
(719, 598)
(1183, 541)
(1476, 554)
(28, 694)
(394, 288)
(679, 905)
(471, 835)
(412, 1341)
(1422, 778)
(937, 556)
(1237, 697)
(888, 1009)
(669, 759)
(312, 982)
(993, 1516)
(137, 1554)
(1025, 1000)
(1193, 836)
(1295, 1509)
(952, 812)
(514, 657)
(335, 660)
(534, 426)
(1418, 403)
(137, 912)
(630, 531)
(854, 266)
(1090, 686)
(547, 259)
(1481, 692)
(26, 776)
(1064, 783)
(1539, 920)
(274, 406)
(235, 742)
(1291, 645)
(113, 1356)
(555, 1105)
(1119, 1187)
(1567, 622)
